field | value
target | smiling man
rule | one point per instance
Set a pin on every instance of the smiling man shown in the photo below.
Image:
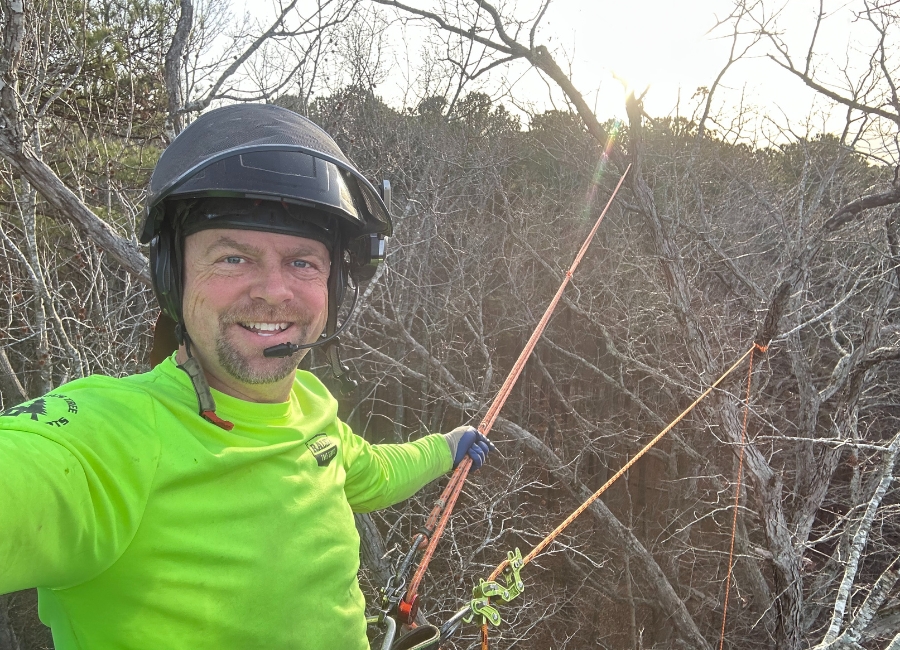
(209, 503)
(245, 290)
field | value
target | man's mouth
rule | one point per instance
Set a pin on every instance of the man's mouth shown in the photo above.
(265, 329)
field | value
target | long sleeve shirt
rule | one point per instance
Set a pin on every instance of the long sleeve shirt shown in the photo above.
(145, 526)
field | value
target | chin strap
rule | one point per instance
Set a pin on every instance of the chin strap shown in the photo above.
(201, 387)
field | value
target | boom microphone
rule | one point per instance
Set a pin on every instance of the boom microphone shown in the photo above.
(289, 349)
(282, 350)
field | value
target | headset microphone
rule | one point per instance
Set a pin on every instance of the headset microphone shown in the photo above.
(281, 350)
(288, 349)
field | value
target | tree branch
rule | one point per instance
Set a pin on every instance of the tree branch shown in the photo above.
(11, 387)
(443, 24)
(212, 94)
(70, 207)
(859, 543)
(654, 579)
(173, 63)
(850, 103)
(850, 211)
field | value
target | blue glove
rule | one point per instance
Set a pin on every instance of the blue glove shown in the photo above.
(468, 441)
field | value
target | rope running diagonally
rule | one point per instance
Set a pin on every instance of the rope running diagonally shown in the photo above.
(737, 490)
(443, 508)
(584, 506)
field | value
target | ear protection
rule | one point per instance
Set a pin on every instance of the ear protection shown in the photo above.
(166, 273)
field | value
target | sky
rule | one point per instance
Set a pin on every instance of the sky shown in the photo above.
(674, 48)
(668, 47)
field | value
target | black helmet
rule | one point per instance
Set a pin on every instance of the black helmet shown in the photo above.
(263, 167)
(261, 152)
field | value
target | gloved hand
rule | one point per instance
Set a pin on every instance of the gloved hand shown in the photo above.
(468, 441)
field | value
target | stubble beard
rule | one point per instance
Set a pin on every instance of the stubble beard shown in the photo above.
(253, 368)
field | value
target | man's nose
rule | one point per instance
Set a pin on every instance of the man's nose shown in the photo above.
(272, 286)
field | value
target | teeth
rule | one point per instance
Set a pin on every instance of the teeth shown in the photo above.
(267, 327)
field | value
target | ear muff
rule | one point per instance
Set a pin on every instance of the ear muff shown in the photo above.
(366, 253)
(337, 286)
(165, 273)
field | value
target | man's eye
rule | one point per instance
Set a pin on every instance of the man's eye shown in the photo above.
(233, 259)
(301, 264)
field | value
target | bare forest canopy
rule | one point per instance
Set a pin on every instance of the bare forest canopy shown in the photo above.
(712, 244)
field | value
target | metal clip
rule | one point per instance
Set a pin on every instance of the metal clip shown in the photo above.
(482, 612)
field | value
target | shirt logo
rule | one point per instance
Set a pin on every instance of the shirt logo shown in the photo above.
(52, 409)
(323, 448)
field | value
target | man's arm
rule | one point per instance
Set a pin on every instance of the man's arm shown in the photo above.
(379, 476)
(73, 486)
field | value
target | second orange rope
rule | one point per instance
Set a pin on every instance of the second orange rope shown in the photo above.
(584, 506)
(737, 491)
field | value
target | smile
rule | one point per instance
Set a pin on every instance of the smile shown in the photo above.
(265, 329)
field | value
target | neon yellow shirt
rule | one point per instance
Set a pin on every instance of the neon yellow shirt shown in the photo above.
(144, 526)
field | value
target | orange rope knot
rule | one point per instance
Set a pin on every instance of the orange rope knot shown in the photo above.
(762, 348)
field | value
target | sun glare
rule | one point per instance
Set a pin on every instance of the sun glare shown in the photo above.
(624, 50)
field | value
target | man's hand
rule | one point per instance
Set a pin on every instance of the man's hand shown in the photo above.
(468, 441)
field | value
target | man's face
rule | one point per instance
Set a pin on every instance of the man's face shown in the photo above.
(245, 291)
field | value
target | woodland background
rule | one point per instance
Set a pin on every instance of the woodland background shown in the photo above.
(714, 234)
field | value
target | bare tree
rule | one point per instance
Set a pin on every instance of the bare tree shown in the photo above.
(788, 513)
(718, 243)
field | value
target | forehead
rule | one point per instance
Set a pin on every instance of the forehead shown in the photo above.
(222, 240)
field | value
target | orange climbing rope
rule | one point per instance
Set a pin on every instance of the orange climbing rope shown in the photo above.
(737, 491)
(443, 507)
(584, 506)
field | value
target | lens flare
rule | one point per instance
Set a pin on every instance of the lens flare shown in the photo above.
(600, 169)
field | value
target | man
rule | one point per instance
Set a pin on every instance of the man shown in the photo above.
(208, 503)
